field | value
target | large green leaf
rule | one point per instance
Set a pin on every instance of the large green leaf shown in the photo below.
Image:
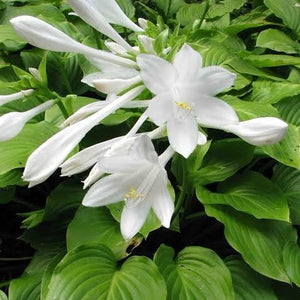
(288, 180)
(287, 151)
(289, 110)
(12, 177)
(9, 40)
(260, 242)
(251, 193)
(269, 92)
(278, 41)
(92, 272)
(98, 225)
(3, 295)
(287, 11)
(195, 273)
(224, 158)
(188, 13)
(14, 153)
(291, 259)
(271, 60)
(247, 284)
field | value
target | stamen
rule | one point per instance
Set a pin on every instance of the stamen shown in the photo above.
(183, 105)
(133, 195)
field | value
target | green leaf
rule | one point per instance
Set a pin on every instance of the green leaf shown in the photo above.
(247, 284)
(14, 153)
(169, 7)
(98, 225)
(260, 242)
(12, 177)
(247, 110)
(287, 11)
(7, 195)
(92, 272)
(278, 41)
(189, 13)
(3, 295)
(219, 9)
(289, 110)
(119, 117)
(288, 180)
(269, 92)
(195, 273)
(251, 193)
(224, 158)
(127, 7)
(271, 60)
(291, 258)
(287, 151)
(9, 40)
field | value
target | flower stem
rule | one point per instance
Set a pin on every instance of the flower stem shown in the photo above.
(166, 156)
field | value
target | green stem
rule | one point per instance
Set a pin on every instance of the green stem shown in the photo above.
(15, 258)
(196, 215)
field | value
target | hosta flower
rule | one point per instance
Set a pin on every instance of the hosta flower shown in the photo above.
(185, 98)
(50, 155)
(12, 123)
(139, 179)
(16, 96)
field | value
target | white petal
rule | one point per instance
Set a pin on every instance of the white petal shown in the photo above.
(187, 63)
(36, 74)
(183, 135)
(133, 218)
(12, 123)
(95, 174)
(12, 97)
(115, 48)
(113, 13)
(201, 138)
(86, 158)
(46, 158)
(213, 80)
(147, 43)
(214, 113)
(108, 190)
(160, 108)
(115, 86)
(161, 200)
(84, 112)
(143, 149)
(40, 34)
(89, 12)
(260, 131)
(120, 164)
(143, 23)
(157, 74)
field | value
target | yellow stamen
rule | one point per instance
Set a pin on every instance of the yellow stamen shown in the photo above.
(183, 105)
(133, 195)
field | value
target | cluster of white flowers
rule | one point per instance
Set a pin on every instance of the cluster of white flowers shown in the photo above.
(184, 99)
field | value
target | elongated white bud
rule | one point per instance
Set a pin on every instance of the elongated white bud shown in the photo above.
(12, 123)
(147, 43)
(12, 97)
(40, 34)
(95, 174)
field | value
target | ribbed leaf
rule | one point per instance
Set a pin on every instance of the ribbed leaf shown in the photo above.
(291, 258)
(260, 242)
(196, 273)
(98, 225)
(288, 180)
(247, 284)
(12, 177)
(287, 11)
(92, 272)
(251, 193)
(289, 110)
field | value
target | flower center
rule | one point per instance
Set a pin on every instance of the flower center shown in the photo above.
(132, 194)
(183, 105)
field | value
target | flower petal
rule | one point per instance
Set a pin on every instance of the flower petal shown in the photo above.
(95, 174)
(114, 14)
(93, 15)
(201, 138)
(157, 74)
(133, 218)
(187, 63)
(161, 200)
(260, 131)
(214, 113)
(120, 164)
(143, 149)
(183, 135)
(147, 43)
(160, 109)
(108, 190)
(12, 97)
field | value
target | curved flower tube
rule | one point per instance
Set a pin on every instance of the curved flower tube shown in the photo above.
(16, 96)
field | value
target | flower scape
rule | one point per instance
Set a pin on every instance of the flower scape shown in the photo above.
(192, 135)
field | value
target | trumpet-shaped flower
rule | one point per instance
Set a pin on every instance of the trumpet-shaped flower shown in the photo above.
(16, 96)
(12, 123)
(185, 97)
(49, 156)
(140, 180)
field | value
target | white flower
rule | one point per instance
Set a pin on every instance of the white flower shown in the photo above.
(140, 180)
(99, 14)
(16, 96)
(47, 157)
(184, 97)
(12, 123)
